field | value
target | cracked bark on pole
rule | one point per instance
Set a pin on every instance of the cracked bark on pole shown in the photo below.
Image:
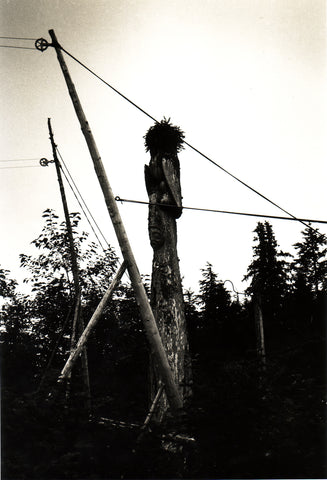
(162, 178)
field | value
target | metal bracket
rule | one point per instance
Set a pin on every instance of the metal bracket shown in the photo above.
(44, 162)
(118, 199)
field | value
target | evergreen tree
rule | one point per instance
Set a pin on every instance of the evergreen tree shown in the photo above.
(214, 298)
(268, 271)
(310, 283)
(193, 320)
(310, 266)
(191, 309)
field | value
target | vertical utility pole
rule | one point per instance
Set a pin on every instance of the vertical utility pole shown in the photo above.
(258, 318)
(149, 323)
(77, 322)
(66, 212)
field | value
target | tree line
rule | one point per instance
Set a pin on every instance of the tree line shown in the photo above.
(35, 333)
(292, 292)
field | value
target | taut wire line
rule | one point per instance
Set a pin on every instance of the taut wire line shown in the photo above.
(81, 206)
(23, 166)
(22, 48)
(118, 199)
(19, 160)
(186, 143)
(62, 162)
(19, 38)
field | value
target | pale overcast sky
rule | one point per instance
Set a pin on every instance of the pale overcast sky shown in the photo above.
(244, 79)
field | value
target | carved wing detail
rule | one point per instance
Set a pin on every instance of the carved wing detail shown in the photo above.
(172, 178)
(150, 181)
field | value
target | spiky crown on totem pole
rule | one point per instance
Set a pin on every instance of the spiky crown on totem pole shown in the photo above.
(164, 137)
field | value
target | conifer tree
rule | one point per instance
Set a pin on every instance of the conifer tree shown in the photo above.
(214, 298)
(310, 266)
(193, 320)
(268, 270)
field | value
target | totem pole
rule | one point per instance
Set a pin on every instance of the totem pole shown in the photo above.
(162, 178)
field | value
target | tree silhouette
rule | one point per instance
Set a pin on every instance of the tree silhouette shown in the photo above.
(268, 271)
(240, 423)
(7, 284)
(215, 302)
(310, 265)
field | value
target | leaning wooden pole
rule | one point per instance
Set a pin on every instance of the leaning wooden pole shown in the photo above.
(74, 354)
(77, 323)
(150, 326)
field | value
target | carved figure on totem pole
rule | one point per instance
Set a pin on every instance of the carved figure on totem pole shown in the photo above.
(162, 177)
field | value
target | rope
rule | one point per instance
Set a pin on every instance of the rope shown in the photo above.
(108, 85)
(246, 185)
(11, 46)
(19, 38)
(82, 208)
(186, 143)
(20, 160)
(23, 166)
(86, 216)
(118, 199)
(87, 208)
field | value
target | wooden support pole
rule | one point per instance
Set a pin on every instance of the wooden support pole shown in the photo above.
(76, 317)
(149, 322)
(66, 212)
(93, 321)
(77, 322)
(153, 407)
(261, 351)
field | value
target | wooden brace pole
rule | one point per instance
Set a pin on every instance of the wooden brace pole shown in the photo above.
(153, 407)
(76, 318)
(147, 316)
(94, 319)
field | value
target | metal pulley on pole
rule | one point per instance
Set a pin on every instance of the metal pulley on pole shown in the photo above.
(147, 316)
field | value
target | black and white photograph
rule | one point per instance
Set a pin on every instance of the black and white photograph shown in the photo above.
(163, 247)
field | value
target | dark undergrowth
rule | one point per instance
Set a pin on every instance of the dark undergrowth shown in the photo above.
(247, 422)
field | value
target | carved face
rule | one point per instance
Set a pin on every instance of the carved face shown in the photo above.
(156, 231)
